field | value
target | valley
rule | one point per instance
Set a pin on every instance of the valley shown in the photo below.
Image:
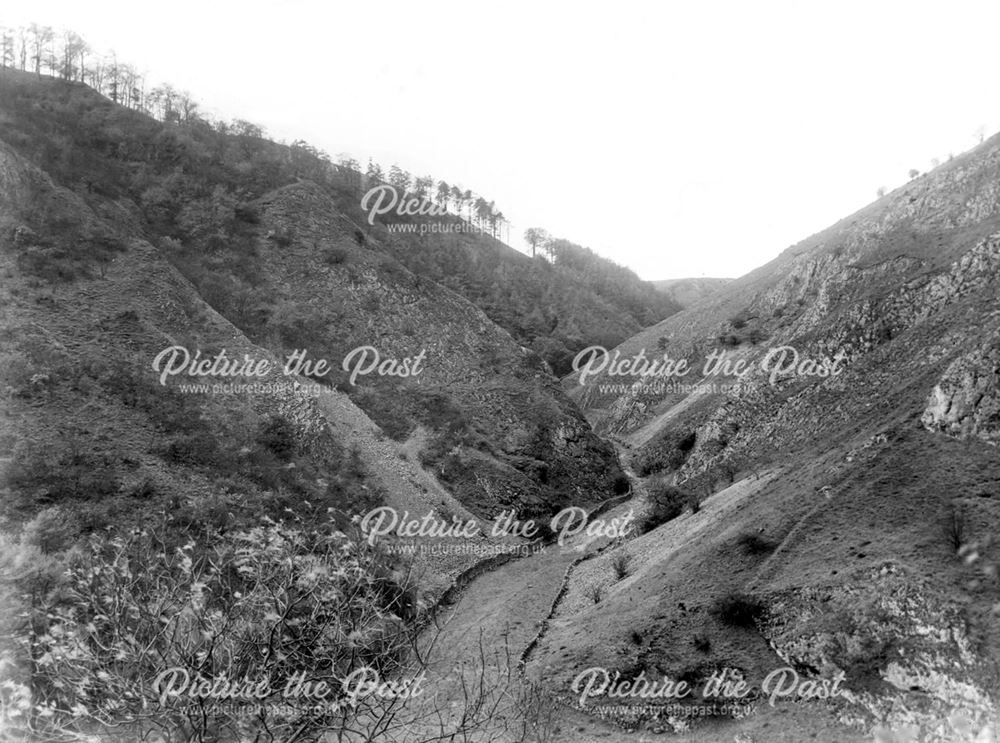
(217, 366)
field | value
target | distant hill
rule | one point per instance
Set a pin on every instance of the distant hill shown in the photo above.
(687, 292)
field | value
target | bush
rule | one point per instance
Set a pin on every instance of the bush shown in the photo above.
(621, 485)
(666, 452)
(666, 502)
(247, 213)
(702, 644)
(730, 340)
(278, 436)
(687, 443)
(693, 502)
(283, 238)
(199, 448)
(738, 322)
(955, 529)
(335, 256)
(620, 564)
(51, 530)
(738, 610)
(40, 475)
(262, 604)
(755, 544)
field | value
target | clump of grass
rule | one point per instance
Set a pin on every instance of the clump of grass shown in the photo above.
(738, 610)
(755, 544)
(620, 564)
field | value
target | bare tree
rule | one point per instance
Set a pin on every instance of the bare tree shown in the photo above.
(41, 38)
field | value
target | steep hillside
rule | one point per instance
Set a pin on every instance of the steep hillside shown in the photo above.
(91, 438)
(868, 546)
(687, 292)
(271, 250)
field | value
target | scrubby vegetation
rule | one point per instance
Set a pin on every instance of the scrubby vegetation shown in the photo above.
(954, 529)
(263, 604)
(666, 452)
(666, 502)
(738, 610)
(620, 564)
(258, 466)
(756, 544)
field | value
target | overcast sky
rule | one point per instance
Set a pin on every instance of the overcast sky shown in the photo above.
(679, 139)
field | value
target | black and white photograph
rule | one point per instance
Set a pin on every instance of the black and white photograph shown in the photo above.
(525, 372)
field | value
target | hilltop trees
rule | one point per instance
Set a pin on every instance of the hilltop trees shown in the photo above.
(535, 236)
(66, 55)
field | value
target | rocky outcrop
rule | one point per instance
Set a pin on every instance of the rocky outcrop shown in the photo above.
(966, 401)
(904, 652)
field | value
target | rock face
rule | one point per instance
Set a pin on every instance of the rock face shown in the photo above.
(907, 658)
(966, 401)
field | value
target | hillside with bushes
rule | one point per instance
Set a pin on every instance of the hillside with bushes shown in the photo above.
(277, 254)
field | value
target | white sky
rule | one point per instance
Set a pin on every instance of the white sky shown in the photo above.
(679, 139)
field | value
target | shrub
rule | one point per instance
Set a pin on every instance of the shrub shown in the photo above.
(262, 604)
(755, 544)
(621, 485)
(730, 340)
(199, 448)
(595, 593)
(145, 490)
(39, 475)
(278, 436)
(702, 644)
(738, 322)
(693, 502)
(51, 530)
(666, 502)
(620, 564)
(282, 238)
(738, 610)
(335, 256)
(247, 213)
(954, 529)
(687, 443)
